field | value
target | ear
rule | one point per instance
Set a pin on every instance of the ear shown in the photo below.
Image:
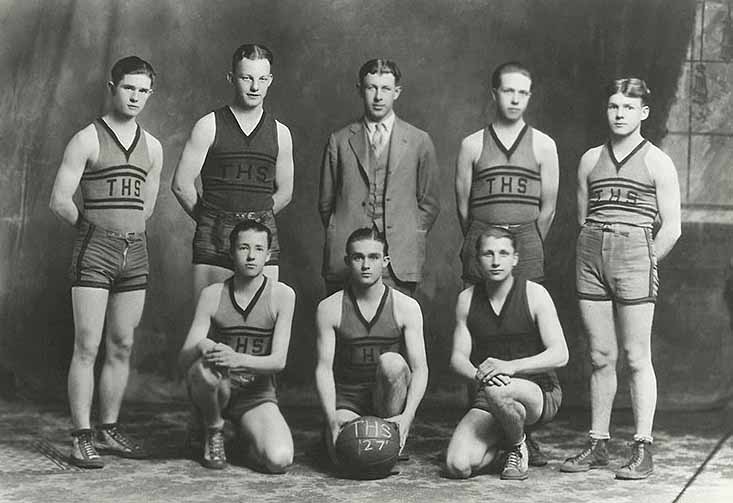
(386, 260)
(516, 259)
(267, 259)
(494, 95)
(111, 86)
(397, 92)
(644, 112)
(230, 77)
(346, 259)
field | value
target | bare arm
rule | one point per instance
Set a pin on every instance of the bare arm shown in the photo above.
(152, 181)
(412, 322)
(585, 166)
(668, 202)
(283, 169)
(327, 187)
(191, 162)
(325, 350)
(460, 360)
(428, 203)
(555, 354)
(549, 179)
(82, 148)
(197, 343)
(467, 156)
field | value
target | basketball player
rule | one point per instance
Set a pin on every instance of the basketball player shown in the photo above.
(245, 159)
(507, 174)
(624, 186)
(117, 165)
(506, 345)
(231, 373)
(371, 352)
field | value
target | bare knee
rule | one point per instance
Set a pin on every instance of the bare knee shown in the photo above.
(86, 347)
(392, 367)
(202, 377)
(119, 348)
(278, 459)
(639, 359)
(603, 359)
(457, 465)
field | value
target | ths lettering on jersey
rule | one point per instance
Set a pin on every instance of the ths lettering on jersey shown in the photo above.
(123, 186)
(248, 340)
(368, 353)
(504, 184)
(251, 171)
(622, 193)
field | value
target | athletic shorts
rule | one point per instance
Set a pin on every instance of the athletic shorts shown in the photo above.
(530, 247)
(616, 262)
(552, 398)
(111, 260)
(244, 398)
(357, 398)
(211, 240)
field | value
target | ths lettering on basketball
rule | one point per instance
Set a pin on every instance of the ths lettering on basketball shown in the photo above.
(241, 170)
(507, 184)
(615, 195)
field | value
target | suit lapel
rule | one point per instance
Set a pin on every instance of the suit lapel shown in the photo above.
(397, 145)
(359, 146)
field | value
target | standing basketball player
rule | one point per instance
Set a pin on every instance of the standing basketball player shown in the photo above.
(506, 345)
(245, 159)
(507, 175)
(623, 187)
(117, 165)
(231, 372)
(371, 352)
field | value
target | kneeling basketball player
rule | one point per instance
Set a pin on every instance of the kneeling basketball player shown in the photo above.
(506, 344)
(237, 343)
(371, 352)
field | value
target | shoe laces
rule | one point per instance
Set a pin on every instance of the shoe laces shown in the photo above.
(86, 446)
(215, 441)
(584, 453)
(514, 458)
(637, 454)
(121, 439)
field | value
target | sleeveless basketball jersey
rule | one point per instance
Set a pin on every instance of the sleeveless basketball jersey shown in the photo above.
(239, 171)
(359, 342)
(112, 187)
(246, 330)
(506, 187)
(510, 335)
(622, 191)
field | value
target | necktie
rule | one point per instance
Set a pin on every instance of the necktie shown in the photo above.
(379, 138)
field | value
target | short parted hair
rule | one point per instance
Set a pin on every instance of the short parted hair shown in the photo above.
(631, 87)
(380, 66)
(132, 65)
(367, 234)
(249, 225)
(251, 51)
(509, 67)
(496, 232)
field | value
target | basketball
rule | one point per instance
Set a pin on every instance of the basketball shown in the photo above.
(367, 447)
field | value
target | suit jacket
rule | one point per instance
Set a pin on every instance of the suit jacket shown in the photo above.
(410, 200)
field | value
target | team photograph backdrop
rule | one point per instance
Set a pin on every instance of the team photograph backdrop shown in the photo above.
(55, 58)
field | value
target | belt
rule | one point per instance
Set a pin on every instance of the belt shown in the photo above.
(615, 228)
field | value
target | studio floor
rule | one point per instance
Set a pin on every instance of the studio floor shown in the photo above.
(693, 463)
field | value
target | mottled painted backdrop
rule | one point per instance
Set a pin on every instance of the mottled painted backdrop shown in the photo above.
(55, 57)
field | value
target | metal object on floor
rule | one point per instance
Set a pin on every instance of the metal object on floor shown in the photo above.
(32, 456)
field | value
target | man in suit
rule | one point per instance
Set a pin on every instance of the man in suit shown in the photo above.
(379, 172)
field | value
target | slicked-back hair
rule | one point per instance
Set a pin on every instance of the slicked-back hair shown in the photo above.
(251, 51)
(631, 87)
(497, 233)
(249, 225)
(131, 65)
(380, 66)
(509, 67)
(367, 234)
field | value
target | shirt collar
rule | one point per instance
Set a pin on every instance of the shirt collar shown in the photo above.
(387, 121)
